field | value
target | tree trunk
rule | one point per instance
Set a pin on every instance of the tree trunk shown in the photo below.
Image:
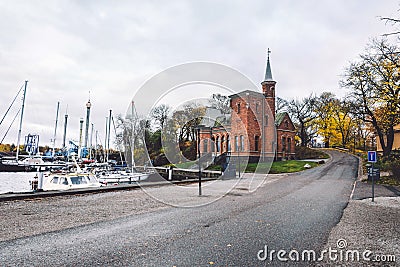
(343, 139)
(388, 145)
(327, 143)
(303, 135)
(389, 142)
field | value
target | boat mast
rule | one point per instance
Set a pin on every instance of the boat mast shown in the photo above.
(90, 145)
(133, 139)
(20, 122)
(55, 131)
(65, 128)
(109, 133)
(95, 146)
(105, 142)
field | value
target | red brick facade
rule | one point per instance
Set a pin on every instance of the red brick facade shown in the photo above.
(255, 130)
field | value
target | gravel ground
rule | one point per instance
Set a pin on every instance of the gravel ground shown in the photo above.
(364, 190)
(369, 225)
(21, 218)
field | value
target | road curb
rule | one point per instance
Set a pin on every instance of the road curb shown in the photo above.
(103, 189)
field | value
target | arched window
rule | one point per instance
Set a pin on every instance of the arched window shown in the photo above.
(218, 144)
(238, 108)
(266, 120)
(257, 107)
(236, 143)
(241, 143)
(212, 144)
(289, 145)
(286, 124)
(283, 143)
(205, 145)
(256, 141)
(228, 143)
(223, 147)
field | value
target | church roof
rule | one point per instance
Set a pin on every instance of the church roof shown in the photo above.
(245, 93)
(268, 72)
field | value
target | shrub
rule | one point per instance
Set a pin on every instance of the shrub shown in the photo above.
(395, 168)
(308, 153)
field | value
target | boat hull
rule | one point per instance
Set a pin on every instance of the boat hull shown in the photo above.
(4, 167)
(110, 179)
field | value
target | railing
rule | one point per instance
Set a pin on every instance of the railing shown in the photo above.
(182, 174)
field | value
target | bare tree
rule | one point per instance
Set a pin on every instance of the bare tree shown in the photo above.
(281, 105)
(220, 102)
(302, 113)
(393, 22)
(131, 134)
(160, 114)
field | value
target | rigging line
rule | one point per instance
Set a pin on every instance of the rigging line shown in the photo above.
(99, 137)
(11, 105)
(16, 115)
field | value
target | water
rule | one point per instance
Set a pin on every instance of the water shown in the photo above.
(15, 181)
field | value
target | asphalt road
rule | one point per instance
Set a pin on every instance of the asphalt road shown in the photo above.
(296, 211)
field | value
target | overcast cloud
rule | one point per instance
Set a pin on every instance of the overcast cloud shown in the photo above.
(110, 48)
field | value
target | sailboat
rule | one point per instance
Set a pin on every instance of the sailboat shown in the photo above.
(13, 164)
(112, 175)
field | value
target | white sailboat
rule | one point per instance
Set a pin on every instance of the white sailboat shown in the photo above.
(14, 164)
(126, 175)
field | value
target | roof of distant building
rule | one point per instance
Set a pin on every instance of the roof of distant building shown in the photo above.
(279, 118)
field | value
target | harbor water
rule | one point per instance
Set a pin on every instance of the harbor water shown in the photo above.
(15, 181)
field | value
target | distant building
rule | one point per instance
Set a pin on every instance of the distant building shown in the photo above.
(396, 141)
(249, 130)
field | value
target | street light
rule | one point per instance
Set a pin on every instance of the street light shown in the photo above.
(199, 155)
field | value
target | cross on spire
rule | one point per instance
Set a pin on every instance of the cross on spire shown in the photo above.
(268, 52)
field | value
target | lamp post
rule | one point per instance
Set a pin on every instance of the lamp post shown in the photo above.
(238, 157)
(199, 155)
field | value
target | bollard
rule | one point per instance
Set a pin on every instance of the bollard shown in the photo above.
(170, 173)
(40, 182)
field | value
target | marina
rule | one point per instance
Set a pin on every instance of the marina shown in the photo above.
(74, 165)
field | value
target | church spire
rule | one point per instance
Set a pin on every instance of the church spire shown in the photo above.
(268, 73)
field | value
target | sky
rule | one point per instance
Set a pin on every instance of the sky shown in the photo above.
(106, 50)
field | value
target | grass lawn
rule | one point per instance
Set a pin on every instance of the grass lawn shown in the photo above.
(277, 166)
(280, 166)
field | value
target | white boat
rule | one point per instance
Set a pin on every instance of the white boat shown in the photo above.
(121, 176)
(66, 180)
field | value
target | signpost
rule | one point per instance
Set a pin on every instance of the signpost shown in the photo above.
(372, 159)
(372, 156)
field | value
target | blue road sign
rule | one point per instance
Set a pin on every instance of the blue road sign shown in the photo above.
(372, 156)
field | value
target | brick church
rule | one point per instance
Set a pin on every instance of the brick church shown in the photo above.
(253, 129)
